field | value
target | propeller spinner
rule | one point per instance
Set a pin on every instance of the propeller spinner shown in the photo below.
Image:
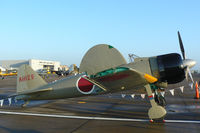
(187, 63)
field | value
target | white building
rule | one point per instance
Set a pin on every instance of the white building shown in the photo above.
(44, 64)
(34, 63)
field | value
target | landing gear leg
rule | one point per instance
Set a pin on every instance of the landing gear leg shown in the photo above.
(156, 111)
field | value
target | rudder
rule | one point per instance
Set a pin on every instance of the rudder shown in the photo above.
(27, 79)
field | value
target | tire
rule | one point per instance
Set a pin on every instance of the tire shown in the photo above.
(160, 100)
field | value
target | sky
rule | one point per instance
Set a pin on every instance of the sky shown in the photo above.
(63, 30)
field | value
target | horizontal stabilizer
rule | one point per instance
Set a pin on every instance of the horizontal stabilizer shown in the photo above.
(33, 91)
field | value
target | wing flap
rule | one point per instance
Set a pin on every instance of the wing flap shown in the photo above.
(96, 83)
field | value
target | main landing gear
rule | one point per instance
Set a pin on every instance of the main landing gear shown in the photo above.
(159, 99)
(156, 111)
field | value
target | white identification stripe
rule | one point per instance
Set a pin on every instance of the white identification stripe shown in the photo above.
(94, 118)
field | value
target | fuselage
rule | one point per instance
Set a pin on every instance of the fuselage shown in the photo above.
(64, 88)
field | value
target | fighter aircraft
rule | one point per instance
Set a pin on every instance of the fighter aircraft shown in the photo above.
(104, 70)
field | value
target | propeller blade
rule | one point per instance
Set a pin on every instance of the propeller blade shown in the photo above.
(187, 71)
(181, 45)
(190, 74)
(186, 74)
(187, 63)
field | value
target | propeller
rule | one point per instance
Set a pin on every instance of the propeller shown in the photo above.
(181, 45)
(187, 63)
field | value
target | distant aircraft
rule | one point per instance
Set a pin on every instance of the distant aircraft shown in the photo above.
(73, 70)
(62, 73)
(44, 73)
(4, 73)
(104, 70)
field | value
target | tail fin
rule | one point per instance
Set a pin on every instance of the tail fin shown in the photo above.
(27, 79)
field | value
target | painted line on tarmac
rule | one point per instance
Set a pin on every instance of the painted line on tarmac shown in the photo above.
(93, 118)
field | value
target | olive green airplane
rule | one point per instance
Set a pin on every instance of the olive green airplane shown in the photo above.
(104, 70)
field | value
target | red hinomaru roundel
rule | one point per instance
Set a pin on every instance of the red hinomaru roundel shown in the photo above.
(84, 86)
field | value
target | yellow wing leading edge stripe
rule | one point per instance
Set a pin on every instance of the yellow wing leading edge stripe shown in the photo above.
(150, 78)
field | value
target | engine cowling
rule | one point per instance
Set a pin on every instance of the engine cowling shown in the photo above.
(169, 68)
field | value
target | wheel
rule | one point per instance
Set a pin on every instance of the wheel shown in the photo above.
(160, 100)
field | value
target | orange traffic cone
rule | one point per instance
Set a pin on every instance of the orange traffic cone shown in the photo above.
(197, 90)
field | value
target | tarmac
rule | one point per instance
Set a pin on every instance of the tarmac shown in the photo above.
(109, 113)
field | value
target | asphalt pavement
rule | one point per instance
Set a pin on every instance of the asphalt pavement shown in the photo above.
(109, 113)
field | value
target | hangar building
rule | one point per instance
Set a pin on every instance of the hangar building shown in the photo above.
(34, 63)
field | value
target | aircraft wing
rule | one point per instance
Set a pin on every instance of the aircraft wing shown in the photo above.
(121, 78)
